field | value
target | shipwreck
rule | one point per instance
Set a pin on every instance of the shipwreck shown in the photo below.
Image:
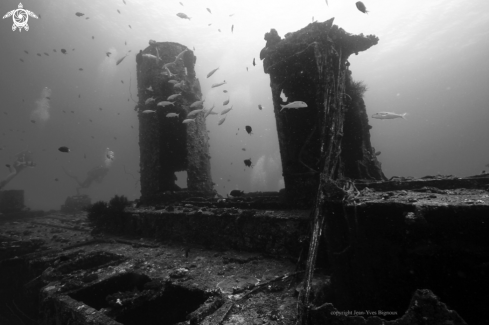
(341, 244)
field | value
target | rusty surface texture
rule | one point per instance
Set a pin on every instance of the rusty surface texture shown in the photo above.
(311, 65)
(166, 144)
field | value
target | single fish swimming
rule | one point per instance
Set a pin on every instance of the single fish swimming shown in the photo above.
(226, 110)
(186, 121)
(212, 72)
(218, 84)
(296, 104)
(183, 16)
(388, 115)
(361, 7)
(165, 103)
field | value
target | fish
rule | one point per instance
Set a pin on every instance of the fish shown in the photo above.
(118, 11)
(197, 103)
(122, 59)
(208, 112)
(33, 121)
(149, 100)
(129, 26)
(231, 15)
(54, 50)
(108, 54)
(122, 81)
(297, 104)
(64, 149)
(218, 84)
(7, 165)
(79, 96)
(378, 153)
(209, 10)
(181, 3)
(219, 30)
(38, 54)
(79, 14)
(173, 96)
(56, 179)
(26, 52)
(361, 7)
(172, 115)
(148, 111)
(194, 112)
(221, 120)
(212, 72)
(327, 3)
(87, 18)
(260, 107)
(248, 129)
(226, 110)
(246, 68)
(254, 62)
(165, 103)
(188, 120)
(232, 28)
(63, 51)
(180, 55)
(225, 102)
(244, 149)
(236, 193)
(21, 60)
(46, 54)
(124, 2)
(150, 56)
(183, 16)
(100, 108)
(388, 115)
(150, 88)
(81, 69)
(93, 37)
(225, 91)
(247, 163)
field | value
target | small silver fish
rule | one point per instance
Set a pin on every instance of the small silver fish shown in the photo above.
(172, 115)
(183, 16)
(197, 103)
(180, 55)
(165, 103)
(260, 107)
(225, 102)
(150, 88)
(188, 120)
(212, 72)
(173, 96)
(218, 84)
(148, 111)
(388, 115)
(149, 100)
(297, 104)
(226, 110)
(194, 112)
(150, 56)
(208, 112)
(221, 120)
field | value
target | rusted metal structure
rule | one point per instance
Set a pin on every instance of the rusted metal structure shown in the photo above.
(311, 65)
(166, 144)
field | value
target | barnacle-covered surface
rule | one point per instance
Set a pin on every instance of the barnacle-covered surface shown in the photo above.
(310, 65)
(166, 145)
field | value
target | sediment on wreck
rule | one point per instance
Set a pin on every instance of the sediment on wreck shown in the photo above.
(166, 144)
(311, 65)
